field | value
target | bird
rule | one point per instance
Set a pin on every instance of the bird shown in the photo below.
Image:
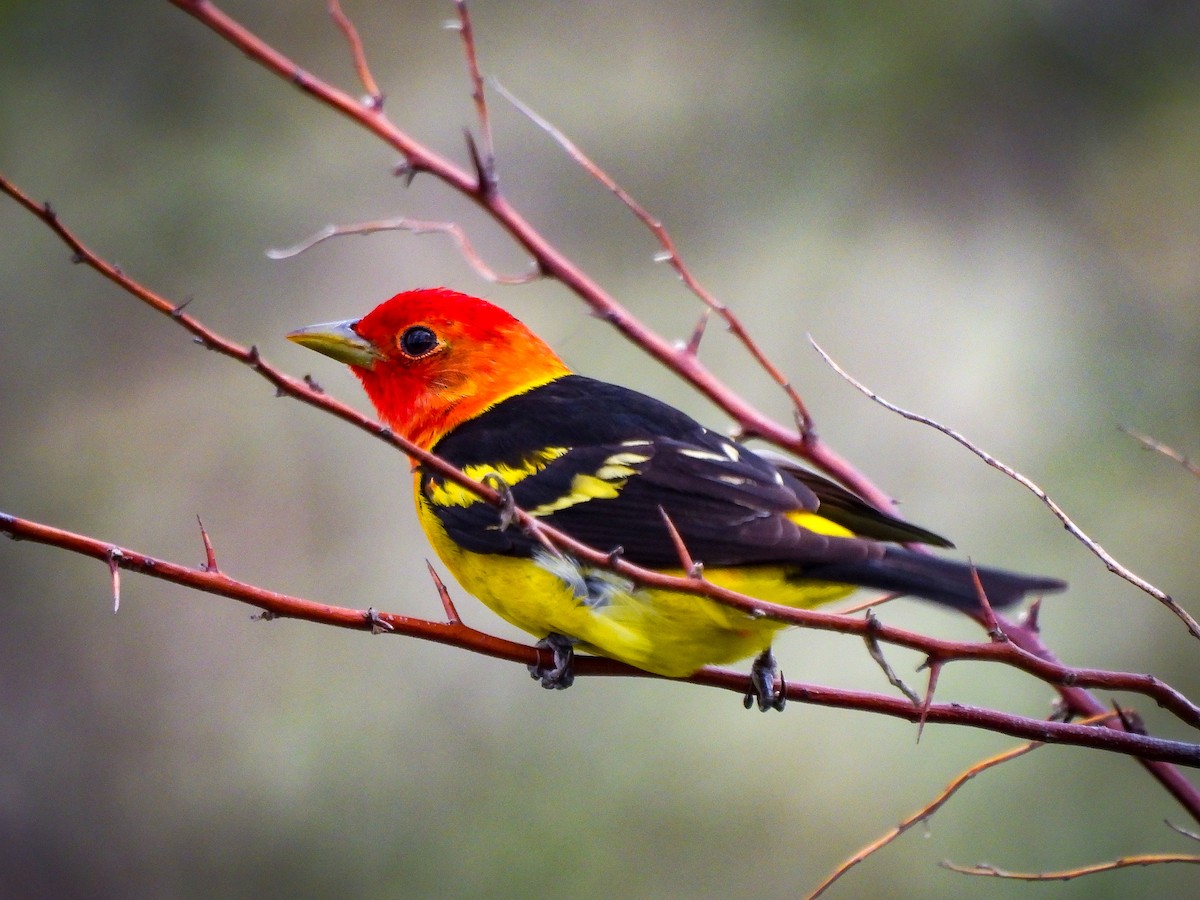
(632, 477)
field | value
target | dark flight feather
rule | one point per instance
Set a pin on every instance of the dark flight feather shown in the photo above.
(728, 503)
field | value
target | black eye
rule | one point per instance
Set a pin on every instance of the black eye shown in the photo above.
(417, 341)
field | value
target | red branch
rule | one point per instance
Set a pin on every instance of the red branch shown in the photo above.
(550, 260)
(1039, 663)
(1068, 680)
(455, 633)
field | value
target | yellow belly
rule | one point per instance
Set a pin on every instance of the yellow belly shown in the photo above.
(665, 632)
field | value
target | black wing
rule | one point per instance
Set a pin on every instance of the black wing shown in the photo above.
(626, 456)
(602, 463)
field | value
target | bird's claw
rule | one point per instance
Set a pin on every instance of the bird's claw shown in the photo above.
(762, 677)
(561, 674)
(508, 504)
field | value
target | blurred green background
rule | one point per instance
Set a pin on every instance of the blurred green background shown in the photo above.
(987, 211)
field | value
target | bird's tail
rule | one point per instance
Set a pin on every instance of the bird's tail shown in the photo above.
(945, 581)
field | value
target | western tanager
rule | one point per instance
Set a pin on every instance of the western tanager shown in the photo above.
(608, 465)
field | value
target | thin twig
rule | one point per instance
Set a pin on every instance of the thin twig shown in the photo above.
(669, 255)
(484, 155)
(921, 815)
(1170, 452)
(1109, 561)
(1112, 865)
(880, 660)
(873, 603)
(415, 226)
(928, 810)
(374, 98)
(1187, 833)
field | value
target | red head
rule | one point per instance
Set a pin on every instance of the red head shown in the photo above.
(430, 359)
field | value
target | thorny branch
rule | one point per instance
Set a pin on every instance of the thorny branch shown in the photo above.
(455, 633)
(682, 360)
(670, 255)
(551, 261)
(936, 650)
(1109, 561)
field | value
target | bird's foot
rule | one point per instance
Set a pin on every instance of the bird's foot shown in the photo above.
(762, 677)
(561, 674)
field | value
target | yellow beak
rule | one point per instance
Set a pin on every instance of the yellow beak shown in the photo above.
(339, 341)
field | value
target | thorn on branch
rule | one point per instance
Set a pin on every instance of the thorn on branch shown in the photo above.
(1030, 619)
(935, 670)
(989, 615)
(692, 568)
(484, 165)
(312, 384)
(1061, 712)
(177, 312)
(376, 621)
(452, 615)
(1130, 720)
(210, 555)
(484, 156)
(115, 554)
(406, 170)
(693, 345)
(265, 616)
